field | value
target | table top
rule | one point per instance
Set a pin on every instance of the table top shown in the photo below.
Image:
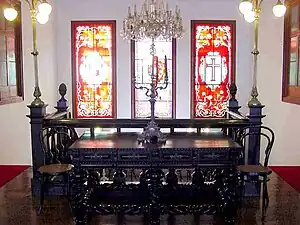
(129, 141)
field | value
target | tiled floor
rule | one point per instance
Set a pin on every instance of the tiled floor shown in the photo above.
(17, 208)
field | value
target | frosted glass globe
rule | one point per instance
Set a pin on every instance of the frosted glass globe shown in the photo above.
(42, 18)
(279, 10)
(249, 16)
(245, 6)
(45, 8)
(10, 14)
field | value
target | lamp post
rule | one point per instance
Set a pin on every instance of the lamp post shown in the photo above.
(251, 10)
(40, 11)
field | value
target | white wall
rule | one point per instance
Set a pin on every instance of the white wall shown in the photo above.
(282, 117)
(68, 10)
(54, 42)
(15, 129)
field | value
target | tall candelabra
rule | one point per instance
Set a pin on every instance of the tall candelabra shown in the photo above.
(152, 129)
(155, 21)
(39, 12)
(251, 10)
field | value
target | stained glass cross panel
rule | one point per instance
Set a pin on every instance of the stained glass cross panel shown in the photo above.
(213, 66)
(142, 68)
(93, 45)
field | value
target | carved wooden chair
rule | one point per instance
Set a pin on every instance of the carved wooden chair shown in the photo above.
(257, 173)
(55, 143)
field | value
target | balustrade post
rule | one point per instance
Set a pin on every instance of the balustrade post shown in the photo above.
(233, 104)
(253, 149)
(36, 116)
(255, 116)
(62, 104)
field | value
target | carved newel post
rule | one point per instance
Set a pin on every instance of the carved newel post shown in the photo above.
(36, 116)
(233, 105)
(255, 116)
(62, 105)
(233, 102)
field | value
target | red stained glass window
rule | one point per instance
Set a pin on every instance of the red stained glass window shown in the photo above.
(141, 69)
(94, 69)
(213, 66)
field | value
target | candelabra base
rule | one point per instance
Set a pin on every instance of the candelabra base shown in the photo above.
(152, 135)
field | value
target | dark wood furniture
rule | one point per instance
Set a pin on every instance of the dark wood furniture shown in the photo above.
(257, 173)
(40, 118)
(55, 143)
(212, 189)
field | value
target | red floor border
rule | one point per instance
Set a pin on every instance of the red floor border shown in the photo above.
(289, 174)
(9, 172)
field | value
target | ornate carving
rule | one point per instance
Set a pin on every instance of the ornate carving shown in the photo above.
(212, 189)
(119, 178)
(62, 91)
(172, 178)
(154, 180)
(233, 91)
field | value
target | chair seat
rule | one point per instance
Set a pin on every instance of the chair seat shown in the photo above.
(254, 169)
(55, 168)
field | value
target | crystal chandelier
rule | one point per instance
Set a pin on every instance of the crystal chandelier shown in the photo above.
(155, 21)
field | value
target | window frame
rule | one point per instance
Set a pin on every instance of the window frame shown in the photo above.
(193, 56)
(132, 63)
(74, 24)
(18, 57)
(290, 94)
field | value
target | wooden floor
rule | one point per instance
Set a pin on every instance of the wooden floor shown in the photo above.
(18, 208)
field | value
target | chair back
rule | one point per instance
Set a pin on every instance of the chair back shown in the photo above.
(262, 131)
(55, 142)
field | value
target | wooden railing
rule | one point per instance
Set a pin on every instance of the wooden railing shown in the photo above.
(56, 116)
(141, 123)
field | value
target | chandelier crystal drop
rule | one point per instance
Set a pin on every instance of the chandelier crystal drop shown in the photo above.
(155, 21)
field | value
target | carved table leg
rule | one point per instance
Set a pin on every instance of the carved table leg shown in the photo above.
(197, 178)
(119, 177)
(119, 182)
(172, 178)
(172, 184)
(143, 179)
(104, 177)
(77, 179)
(82, 207)
(144, 189)
(228, 195)
(154, 179)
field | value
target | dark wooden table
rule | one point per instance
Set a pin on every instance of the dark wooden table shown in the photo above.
(212, 189)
